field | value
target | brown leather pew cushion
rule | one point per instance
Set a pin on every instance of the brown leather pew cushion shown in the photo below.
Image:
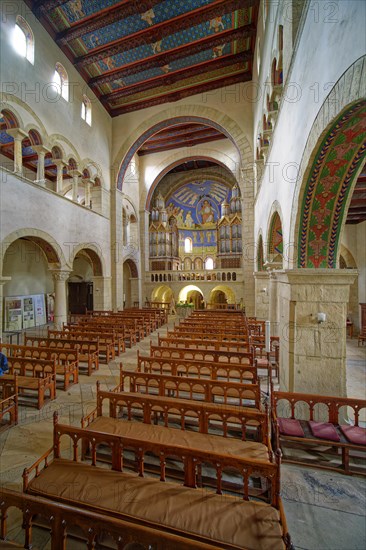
(252, 525)
(354, 434)
(324, 430)
(290, 426)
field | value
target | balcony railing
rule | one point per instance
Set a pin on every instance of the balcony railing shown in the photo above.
(214, 275)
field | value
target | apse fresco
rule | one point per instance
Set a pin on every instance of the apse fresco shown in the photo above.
(196, 205)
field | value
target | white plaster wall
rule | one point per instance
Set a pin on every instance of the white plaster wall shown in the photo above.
(326, 49)
(230, 100)
(30, 85)
(28, 269)
(26, 206)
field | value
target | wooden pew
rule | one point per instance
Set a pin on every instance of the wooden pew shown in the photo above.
(218, 344)
(88, 351)
(102, 331)
(8, 402)
(230, 421)
(211, 390)
(61, 519)
(105, 345)
(232, 357)
(199, 334)
(35, 378)
(311, 422)
(67, 361)
(202, 369)
(48, 477)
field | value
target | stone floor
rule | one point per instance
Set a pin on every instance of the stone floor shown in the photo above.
(324, 510)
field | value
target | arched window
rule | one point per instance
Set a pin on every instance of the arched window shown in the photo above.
(209, 263)
(23, 39)
(86, 110)
(61, 81)
(187, 245)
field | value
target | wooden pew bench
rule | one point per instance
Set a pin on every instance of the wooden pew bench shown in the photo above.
(35, 377)
(107, 341)
(198, 334)
(202, 389)
(179, 511)
(93, 527)
(118, 337)
(200, 369)
(212, 344)
(227, 420)
(88, 351)
(8, 402)
(67, 361)
(231, 357)
(316, 423)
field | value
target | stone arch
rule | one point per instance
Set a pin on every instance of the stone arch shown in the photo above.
(348, 257)
(44, 241)
(226, 290)
(35, 121)
(177, 115)
(94, 255)
(275, 238)
(62, 142)
(132, 267)
(345, 102)
(10, 118)
(35, 137)
(169, 166)
(162, 293)
(337, 162)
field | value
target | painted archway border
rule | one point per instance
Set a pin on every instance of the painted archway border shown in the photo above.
(182, 115)
(348, 91)
(333, 171)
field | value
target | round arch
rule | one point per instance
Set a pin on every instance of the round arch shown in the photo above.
(222, 290)
(94, 254)
(275, 238)
(162, 293)
(260, 253)
(170, 164)
(48, 245)
(181, 115)
(331, 162)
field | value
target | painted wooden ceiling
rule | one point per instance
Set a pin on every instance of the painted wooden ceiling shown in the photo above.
(139, 53)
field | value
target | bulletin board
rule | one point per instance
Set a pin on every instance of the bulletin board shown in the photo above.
(21, 312)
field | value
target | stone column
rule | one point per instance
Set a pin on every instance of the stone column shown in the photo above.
(144, 253)
(273, 302)
(116, 249)
(101, 292)
(3, 281)
(18, 135)
(60, 164)
(75, 183)
(313, 354)
(41, 152)
(87, 184)
(261, 294)
(60, 277)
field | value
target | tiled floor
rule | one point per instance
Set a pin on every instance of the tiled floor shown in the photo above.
(325, 510)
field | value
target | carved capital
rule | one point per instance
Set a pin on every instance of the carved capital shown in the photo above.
(60, 275)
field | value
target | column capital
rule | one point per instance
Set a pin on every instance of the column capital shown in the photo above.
(39, 149)
(59, 162)
(75, 173)
(60, 274)
(17, 133)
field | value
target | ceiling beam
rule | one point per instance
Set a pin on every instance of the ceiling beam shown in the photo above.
(182, 143)
(160, 30)
(242, 76)
(179, 75)
(161, 138)
(188, 135)
(104, 18)
(164, 58)
(42, 6)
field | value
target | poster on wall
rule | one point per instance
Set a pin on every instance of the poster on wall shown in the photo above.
(13, 314)
(22, 312)
(28, 312)
(50, 307)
